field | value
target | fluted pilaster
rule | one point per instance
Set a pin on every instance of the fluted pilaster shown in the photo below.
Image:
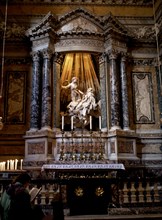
(114, 92)
(46, 90)
(36, 92)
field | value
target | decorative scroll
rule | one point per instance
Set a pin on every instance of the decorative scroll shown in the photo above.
(143, 98)
(15, 97)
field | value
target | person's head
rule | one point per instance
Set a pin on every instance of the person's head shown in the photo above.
(90, 90)
(23, 178)
(74, 79)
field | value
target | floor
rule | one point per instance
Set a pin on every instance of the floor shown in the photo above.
(108, 217)
(124, 217)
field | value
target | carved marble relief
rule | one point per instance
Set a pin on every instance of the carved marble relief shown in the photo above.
(15, 97)
(36, 148)
(80, 24)
(125, 147)
(143, 98)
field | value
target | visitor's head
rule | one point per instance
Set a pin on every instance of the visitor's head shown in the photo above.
(23, 178)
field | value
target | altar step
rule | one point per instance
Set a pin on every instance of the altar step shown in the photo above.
(118, 217)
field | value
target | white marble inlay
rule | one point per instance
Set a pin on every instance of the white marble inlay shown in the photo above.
(82, 166)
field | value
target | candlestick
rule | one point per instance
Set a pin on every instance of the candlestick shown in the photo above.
(4, 165)
(100, 122)
(8, 164)
(72, 122)
(16, 161)
(62, 122)
(90, 118)
(21, 162)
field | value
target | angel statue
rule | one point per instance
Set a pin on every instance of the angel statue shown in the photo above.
(81, 105)
(76, 94)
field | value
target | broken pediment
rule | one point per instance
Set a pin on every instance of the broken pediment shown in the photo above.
(111, 24)
(80, 21)
(80, 24)
(47, 24)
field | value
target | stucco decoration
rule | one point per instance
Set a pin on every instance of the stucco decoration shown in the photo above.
(13, 31)
(145, 32)
(144, 109)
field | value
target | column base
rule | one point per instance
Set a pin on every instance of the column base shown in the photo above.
(126, 129)
(32, 130)
(115, 128)
(46, 128)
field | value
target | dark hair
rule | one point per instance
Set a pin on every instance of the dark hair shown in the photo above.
(23, 178)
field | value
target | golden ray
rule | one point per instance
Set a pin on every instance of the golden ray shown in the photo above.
(81, 66)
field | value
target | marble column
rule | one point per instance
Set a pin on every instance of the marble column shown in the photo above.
(103, 86)
(114, 92)
(35, 115)
(46, 90)
(124, 92)
(57, 61)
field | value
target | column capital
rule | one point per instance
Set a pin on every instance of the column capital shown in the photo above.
(113, 54)
(35, 55)
(102, 58)
(58, 58)
(123, 56)
(47, 53)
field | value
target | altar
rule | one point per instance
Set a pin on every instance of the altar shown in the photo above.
(88, 185)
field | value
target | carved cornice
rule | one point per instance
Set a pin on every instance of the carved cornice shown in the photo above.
(46, 26)
(139, 3)
(106, 27)
(110, 24)
(80, 33)
(82, 43)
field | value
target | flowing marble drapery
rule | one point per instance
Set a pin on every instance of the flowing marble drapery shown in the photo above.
(124, 93)
(114, 92)
(46, 90)
(36, 92)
